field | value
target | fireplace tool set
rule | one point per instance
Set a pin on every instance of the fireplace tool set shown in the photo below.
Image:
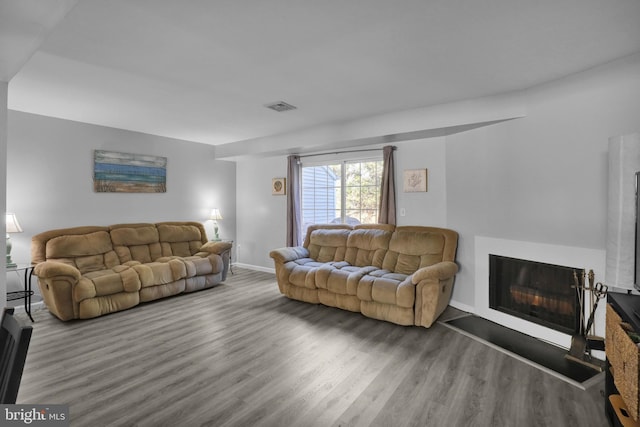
(584, 341)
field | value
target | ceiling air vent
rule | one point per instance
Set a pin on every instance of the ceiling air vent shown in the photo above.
(280, 106)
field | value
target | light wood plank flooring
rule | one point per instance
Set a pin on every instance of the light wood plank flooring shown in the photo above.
(241, 354)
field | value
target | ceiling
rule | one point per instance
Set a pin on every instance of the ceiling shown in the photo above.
(202, 70)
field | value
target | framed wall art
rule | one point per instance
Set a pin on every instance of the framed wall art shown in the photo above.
(415, 180)
(115, 172)
(278, 186)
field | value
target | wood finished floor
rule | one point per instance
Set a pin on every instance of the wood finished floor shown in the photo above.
(241, 354)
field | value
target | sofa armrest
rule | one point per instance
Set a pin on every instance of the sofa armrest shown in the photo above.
(434, 285)
(283, 255)
(51, 269)
(57, 282)
(216, 247)
(436, 272)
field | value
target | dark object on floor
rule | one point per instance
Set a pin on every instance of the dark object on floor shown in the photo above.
(14, 343)
(538, 352)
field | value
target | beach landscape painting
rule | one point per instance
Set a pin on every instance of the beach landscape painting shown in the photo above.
(115, 172)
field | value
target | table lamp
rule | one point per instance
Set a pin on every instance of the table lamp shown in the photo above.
(215, 216)
(13, 226)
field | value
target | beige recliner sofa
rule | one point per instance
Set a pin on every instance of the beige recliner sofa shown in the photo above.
(85, 272)
(402, 275)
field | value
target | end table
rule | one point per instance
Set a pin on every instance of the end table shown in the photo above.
(230, 251)
(27, 269)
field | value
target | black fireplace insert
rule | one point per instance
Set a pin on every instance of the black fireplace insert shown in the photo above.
(545, 294)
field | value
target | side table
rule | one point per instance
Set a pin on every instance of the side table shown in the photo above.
(230, 251)
(28, 292)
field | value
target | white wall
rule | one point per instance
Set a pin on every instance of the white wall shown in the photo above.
(428, 208)
(261, 216)
(542, 178)
(50, 169)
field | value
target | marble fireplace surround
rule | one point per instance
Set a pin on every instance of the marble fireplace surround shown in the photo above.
(588, 259)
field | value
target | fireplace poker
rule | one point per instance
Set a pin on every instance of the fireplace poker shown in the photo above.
(578, 340)
(578, 285)
(595, 342)
(591, 301)
(599, 292)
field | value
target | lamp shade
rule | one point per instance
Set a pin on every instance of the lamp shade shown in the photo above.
(624, 162)
(13, 226)
(215, 214)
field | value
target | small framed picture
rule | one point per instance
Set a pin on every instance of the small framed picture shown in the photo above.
(278, 186)
(415, 180)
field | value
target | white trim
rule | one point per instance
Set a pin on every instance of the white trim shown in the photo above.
(36, 305)
(462, 307)
(255, 267)
(339, 158)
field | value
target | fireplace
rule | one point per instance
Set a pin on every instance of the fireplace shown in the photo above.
(552, 254)
(535, 291)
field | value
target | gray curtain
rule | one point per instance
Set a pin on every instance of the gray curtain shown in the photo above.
(293, 201)
(387, 212)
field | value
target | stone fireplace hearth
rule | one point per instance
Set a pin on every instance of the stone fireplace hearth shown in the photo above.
(556, 255)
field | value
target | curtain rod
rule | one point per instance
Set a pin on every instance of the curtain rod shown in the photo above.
(342, 152)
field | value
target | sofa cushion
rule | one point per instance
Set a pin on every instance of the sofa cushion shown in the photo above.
(410, 250)
(388, 312)
(302, 272)
(160, 273)
(202, 266)
(139, 242)
(311, 228)
(106, 282)
(152, 293)
(98, 306)
(341, 279)
(326, 245)
(87, 252)
(387, 287)
(179, 240)
(39, 241)
(367, 247)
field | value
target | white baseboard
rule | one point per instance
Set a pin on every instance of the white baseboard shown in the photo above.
(255, 267)
(36, 305)
(461, 306)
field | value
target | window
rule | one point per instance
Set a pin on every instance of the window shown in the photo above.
(341, 192)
